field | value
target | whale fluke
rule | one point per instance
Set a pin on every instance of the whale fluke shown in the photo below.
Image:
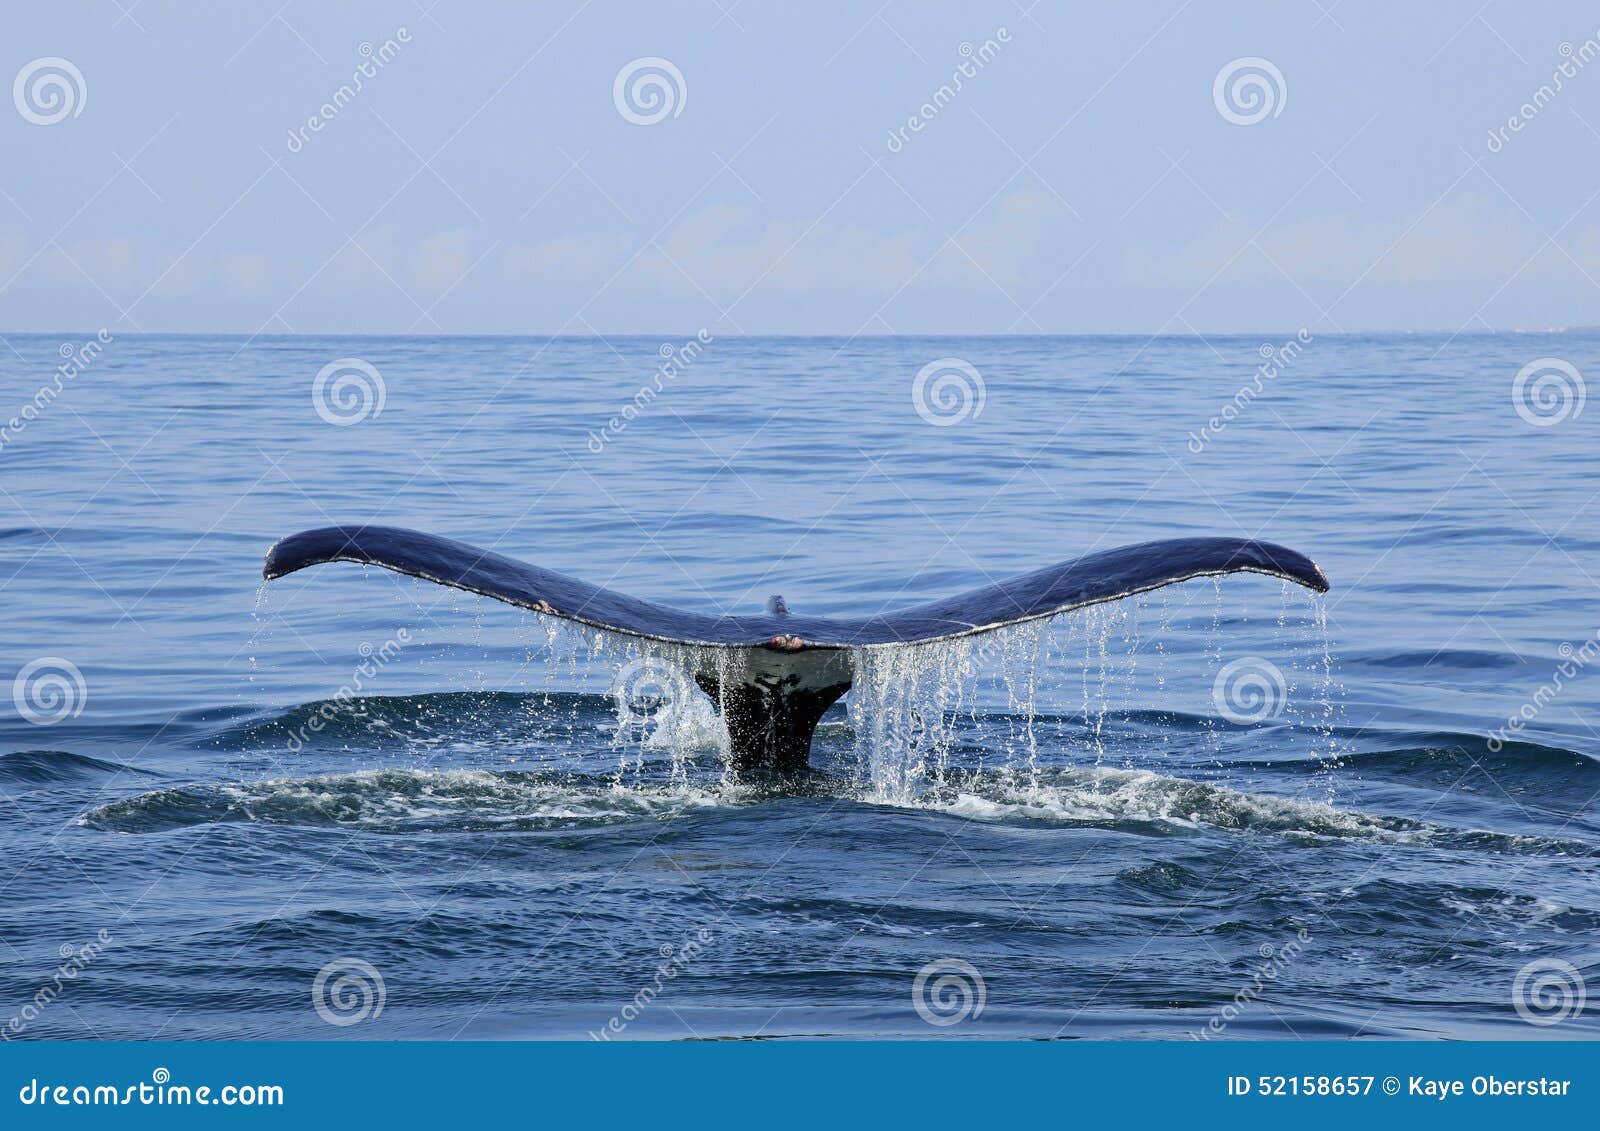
(791, 667)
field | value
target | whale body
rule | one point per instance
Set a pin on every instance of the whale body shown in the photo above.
(779, 671)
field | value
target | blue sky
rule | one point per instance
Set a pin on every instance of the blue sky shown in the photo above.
(1085, 178)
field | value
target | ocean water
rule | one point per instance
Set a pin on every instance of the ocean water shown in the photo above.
(355, 805)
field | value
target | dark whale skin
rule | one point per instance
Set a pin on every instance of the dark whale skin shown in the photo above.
(1094, 578)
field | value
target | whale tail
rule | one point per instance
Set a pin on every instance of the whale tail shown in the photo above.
(779, 672)
(770, 722)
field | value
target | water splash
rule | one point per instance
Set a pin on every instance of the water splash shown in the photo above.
(412, 801)
(1019, 701)
(903, 709)
(406, 800)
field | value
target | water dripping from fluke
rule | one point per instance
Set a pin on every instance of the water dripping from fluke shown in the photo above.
(771, 677)
(1014, 702)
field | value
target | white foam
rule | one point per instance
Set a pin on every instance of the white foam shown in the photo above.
(399, 799)
(1110, 796)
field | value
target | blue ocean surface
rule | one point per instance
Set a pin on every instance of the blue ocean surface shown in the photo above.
(350, 804)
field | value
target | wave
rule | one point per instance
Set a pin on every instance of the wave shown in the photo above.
(417, 800)
(1432, 750)
(404, 800)
(1441, 659)
(401, 721)
(43, 767)
(1142, 798)
(1144, 801)
(495, 719)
